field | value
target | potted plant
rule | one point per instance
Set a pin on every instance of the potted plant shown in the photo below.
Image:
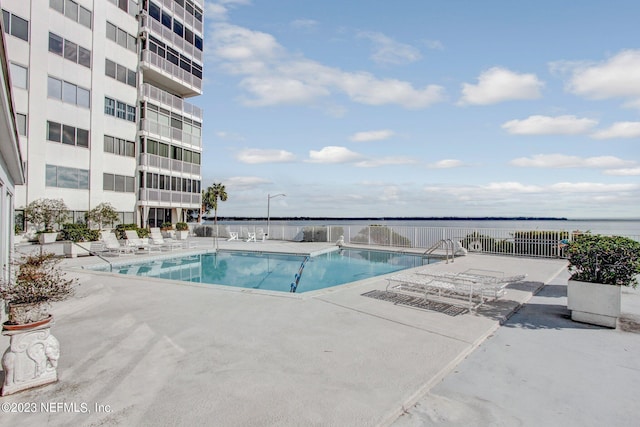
(44, 214)
(167, 229)
(78, 239)
(37, 283)
(104, 213)
(600, 266)
(182, 230)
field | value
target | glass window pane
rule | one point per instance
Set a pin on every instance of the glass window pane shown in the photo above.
(121, 110)
(84, 98)
(55, 44)
(19, 28)
(110, 68)
(119, 183)
(82, 138)
(130, 148)
(57, 5)
(131, 78)
(154, 11)
(83, 179)
(18, 75)
(21, 123)
(131, 43)
(178, 28)
(54, 132)
(85, 17)
(166, 20)
(122, 4)
(67, 177)
(188, 35)
(71, 9)
(195, 158)
(129, 184)
(198, 43)
(109, 106)
(187, 156)
(107, 182)
(108, 144)
(68, 135)
(122, 37)
(121, 73)
(52, 178)
(131, 113)
(84, 57)
(6, 20)
(54, 88)
(111, 32)
(71, 51)
(69, 92)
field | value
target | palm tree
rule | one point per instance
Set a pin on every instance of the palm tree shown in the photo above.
(210, 199)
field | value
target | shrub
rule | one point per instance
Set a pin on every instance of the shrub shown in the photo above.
(38, 280)
(610, 260)
(79, 233)
(182, 226)
(45, 213)
(166, 226)
(121, 228)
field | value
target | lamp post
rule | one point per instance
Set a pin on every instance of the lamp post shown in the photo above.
(269, 197)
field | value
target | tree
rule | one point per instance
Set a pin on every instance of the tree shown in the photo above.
(46, 213)
(210, 199)
(103, 213)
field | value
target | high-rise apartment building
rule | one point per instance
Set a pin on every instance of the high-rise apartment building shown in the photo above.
(99, 90)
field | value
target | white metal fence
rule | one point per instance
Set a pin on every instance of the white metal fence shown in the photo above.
(532, 243)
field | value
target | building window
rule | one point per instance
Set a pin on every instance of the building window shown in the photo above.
(68, 92)
(66, 134)
(120, 73)
(63, 177)
(119, 146)
(69, 50)
(55, 44)
(119, 183)
(19, 75)
(121, 37)
(121, 110)
(72, 10)
(21, 124)
(109, 106)
(131, 113)
(15, 25)
(54, 88)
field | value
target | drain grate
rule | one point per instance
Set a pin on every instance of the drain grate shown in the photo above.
(416, 302)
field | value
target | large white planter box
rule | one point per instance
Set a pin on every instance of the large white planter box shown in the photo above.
(72, 250)
(182, 234)
(47, 237)
(594, 303)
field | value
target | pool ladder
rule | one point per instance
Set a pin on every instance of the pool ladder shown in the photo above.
(296, 280)
(448, 245)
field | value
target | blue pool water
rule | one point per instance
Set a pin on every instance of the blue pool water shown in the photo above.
(275, 272)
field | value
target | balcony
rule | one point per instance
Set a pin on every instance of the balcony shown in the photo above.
(155, 161)
(170, 134)
(174, 199)
(169, 75)
(183, 16)
(166, 99)
(168, 36)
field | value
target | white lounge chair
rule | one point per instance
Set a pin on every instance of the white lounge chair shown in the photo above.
(112, 245)
(137, 243)
(251, 236)
(155, 238)
(233, 235)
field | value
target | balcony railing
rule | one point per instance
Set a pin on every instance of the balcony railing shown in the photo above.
(172, 134)
(170, 198)
(155, 161)
(166, 35)
(168, 99)
(172, 69)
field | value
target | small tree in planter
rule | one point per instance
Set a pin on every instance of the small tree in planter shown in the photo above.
(104, 213)
(600, 265)
(37, 283)
(44, 214)
(182, 230)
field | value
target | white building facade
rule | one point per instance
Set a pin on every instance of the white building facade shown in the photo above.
(99, 90)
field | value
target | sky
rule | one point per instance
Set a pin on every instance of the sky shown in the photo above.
(425, 108)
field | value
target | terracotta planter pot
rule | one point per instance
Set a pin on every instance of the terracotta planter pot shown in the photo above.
(11, 327)
(22, 314)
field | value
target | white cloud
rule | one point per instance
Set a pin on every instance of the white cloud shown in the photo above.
(219, 10)
(623, 172)
(498, 85)
(272, 76)
(305, 24)
(564, 161)
(389, 51)
(618, 76)
(372, 135)
(255, 156)
(434, 44)
(245, 182)
(333, 154)
(513, 187)
(619, 130)
(592, 187)
(386, 161)
(446, 164)
(545, 125)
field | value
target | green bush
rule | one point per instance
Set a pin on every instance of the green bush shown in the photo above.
(611, 260)
(182, 226)
(121, 228)
(79, 233)
(476, 242)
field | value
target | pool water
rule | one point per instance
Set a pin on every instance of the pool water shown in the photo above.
(276, 272)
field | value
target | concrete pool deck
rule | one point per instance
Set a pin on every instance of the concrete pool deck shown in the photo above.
(161, 352)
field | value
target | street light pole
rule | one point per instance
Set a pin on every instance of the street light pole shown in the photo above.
(269, 197)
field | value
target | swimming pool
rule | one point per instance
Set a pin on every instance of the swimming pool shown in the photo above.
(273, 271)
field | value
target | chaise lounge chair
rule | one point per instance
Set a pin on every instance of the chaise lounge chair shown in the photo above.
(155, 238)
(137, 243)
(112, 245)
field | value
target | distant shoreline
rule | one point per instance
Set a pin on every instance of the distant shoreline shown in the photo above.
(390, 218)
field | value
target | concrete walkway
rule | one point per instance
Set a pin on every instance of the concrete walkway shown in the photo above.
(158, 352)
